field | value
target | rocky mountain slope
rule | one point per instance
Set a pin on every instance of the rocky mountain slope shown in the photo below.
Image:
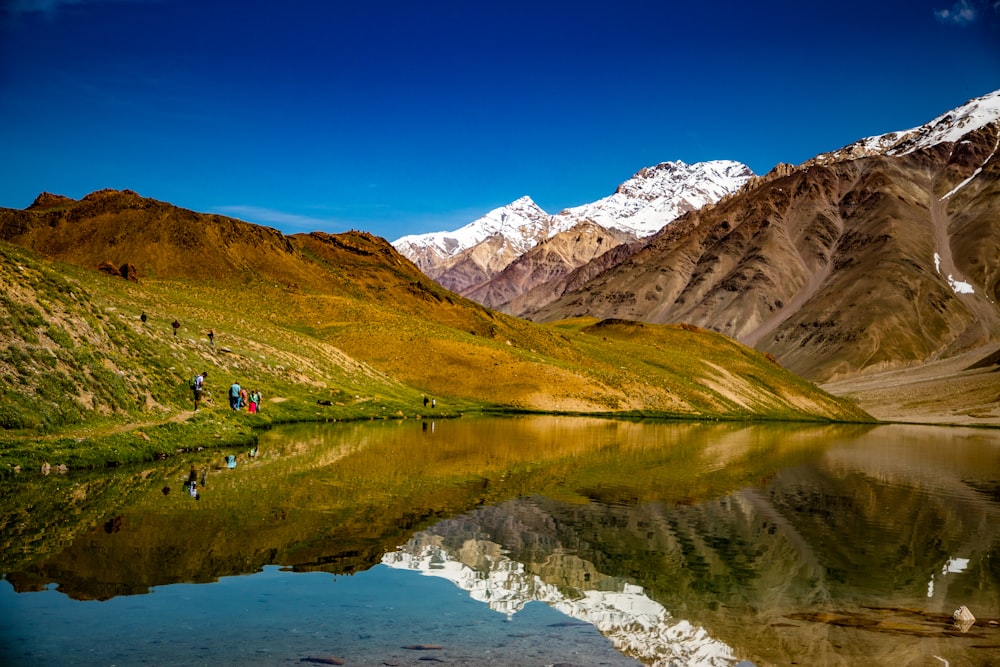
(879, 256)
(469, 260)
(551, 259)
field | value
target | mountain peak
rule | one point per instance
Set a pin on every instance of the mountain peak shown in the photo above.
(640, 206)
(656, 195)
(949, 127)
(48, 200)
(522, 221)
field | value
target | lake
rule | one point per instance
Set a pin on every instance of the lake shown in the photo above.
(517, 541)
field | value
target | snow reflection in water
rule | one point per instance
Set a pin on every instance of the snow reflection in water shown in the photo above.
(637, 626)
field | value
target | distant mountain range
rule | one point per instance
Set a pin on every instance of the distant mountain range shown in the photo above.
(468, 259)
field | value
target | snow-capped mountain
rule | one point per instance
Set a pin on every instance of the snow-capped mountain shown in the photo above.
(656, 195)
(636, 624)
(641, 205)
(522, 223)
(946, 128)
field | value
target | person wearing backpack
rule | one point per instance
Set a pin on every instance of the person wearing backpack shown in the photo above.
(197, 385)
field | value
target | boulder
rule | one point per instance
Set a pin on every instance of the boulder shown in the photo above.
(129, 272)
(108, 269)
(964, 618)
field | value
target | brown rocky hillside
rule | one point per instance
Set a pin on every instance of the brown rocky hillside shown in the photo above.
(164, 242)
(160, 240)
(475, 265)
(544, 264)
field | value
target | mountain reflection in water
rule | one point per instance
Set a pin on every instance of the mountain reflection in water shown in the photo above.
(637, 625)
(685, 544)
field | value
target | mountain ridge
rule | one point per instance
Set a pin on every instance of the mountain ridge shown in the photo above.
(849, 262)
(470, 259)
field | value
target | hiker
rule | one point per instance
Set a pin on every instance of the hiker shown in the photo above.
(143, 317)
(176, 325)
(254, 401)
(234, 396)
(425, 401)
(191, 485)
(243, 398)
(211, 337)
(198, 384)
(434, 402)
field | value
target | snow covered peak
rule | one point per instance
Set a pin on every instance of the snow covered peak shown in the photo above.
(636, 624)
(946, 128)
(522, 221)
(656, 195)
(642, 205)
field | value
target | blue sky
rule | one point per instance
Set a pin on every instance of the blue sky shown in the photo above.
(408, 117)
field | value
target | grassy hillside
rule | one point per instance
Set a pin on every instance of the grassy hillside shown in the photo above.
(327, 327)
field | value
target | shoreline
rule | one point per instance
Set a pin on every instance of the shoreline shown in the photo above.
(957, 392)
(960, 391)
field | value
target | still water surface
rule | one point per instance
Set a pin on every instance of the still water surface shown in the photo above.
(527, 541)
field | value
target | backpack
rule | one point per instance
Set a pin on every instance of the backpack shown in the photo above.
(195, 382)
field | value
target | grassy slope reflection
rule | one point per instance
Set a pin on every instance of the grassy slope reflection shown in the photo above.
(336, 497)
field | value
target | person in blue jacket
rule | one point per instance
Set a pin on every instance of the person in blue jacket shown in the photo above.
(234, 396)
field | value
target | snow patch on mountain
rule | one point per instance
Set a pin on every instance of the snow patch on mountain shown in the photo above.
(979, 170)
(957, 286)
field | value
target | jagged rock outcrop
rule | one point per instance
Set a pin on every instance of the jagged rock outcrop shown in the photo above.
(126, 271)
(48, 200)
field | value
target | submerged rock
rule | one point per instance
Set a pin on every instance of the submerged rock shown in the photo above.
(331, 660)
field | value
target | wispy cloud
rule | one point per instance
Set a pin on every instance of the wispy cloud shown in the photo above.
(288, 222)
(14, 8)
(395, 225)
(38, 6)
(961, 13)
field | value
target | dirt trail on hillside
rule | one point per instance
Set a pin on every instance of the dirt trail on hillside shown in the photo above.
(942, 392)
